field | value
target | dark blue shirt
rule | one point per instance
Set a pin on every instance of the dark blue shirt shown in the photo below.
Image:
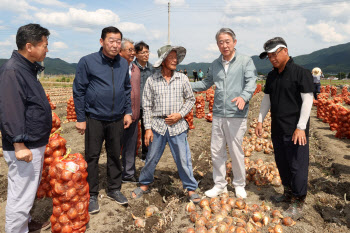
(25, 112)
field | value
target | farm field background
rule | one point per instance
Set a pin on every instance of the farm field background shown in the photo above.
(327, 206)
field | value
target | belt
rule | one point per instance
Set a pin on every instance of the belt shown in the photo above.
(162, 117)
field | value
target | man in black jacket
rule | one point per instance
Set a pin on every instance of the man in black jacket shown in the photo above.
(25, 123)
(101, 92)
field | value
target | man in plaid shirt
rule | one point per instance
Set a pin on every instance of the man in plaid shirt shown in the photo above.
(167, 99)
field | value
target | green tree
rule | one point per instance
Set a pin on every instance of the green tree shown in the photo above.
(341, 75)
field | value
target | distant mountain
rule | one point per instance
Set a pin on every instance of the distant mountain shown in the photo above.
(54, 66)
(334, 59)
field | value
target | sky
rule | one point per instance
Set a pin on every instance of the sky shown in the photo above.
(76, 25)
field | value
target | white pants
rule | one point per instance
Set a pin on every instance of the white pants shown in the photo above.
(230, 132)
(23, 182)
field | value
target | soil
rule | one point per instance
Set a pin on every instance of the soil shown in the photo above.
(327, 207)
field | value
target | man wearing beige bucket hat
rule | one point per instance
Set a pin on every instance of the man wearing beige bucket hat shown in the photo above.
(167, 99)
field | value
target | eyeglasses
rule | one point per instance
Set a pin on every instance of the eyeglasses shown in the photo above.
(271, 55)
(144, 53)
(130, 50)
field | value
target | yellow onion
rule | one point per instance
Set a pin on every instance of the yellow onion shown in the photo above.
(250, 228)
(226, 207)
(190, 207)
(189, 230)
(206, 214)
(211, 223)
(265, 220)
(276, 181)
(276, 220)
(231, 202)
(222, 228)
(278, 229)
(231, 229)
(276, 213)
(204, 202)
(201, 229)
(240, 230)
(201, 221)
(150, 210)
(194, 216)
(257, 216)
(240, 204)
(214, 200)
(288, 221)
(139, 222)
(228, 220)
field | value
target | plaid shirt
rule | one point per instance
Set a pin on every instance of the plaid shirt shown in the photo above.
(161, 98)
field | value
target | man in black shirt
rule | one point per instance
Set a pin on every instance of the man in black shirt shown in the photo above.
(289, 96)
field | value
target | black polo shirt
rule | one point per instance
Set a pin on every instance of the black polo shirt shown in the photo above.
(284, 89)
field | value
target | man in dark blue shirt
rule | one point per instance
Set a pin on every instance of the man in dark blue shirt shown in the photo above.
(101, 92)
(25, 123)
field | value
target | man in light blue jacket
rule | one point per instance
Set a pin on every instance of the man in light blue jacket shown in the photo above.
(234, 76)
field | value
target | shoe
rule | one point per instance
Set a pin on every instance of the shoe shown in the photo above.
(93, 205)
(35, 226)
(215, 192)
(130, 180)
(118, 197)
(285, 197)
(240, 192)
(295, 210)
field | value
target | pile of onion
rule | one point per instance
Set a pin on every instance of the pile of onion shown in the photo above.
(139, 142)
(56, 122)
(343, 123)
(52, 105)
(189, 119)
(200, 105)
(344, 92)
(257, 89)
(226, 214)
(55, 148)
(71, 115)
(70, 194)
(333, 91)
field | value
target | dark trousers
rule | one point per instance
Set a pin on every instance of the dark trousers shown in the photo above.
(293, 164)
(143, 131)
(129, 150)
(97, 132)
(317, 89)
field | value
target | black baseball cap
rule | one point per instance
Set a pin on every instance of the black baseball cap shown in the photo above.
(272, 45)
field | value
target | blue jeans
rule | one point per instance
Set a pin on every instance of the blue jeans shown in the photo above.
(181, 153)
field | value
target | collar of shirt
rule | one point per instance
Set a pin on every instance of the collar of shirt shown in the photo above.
(227, 63)
(130, 67)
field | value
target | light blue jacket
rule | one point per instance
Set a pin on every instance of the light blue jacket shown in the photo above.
(240, 80)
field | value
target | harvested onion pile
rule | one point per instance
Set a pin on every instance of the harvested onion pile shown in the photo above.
(252, 143)
(70, 194)
(52, 105)
(257, 89)
(333, 91)
(71, 115)
(210, 98)
(55, 148)
(226, 214)
(189, 119)
(200, 105)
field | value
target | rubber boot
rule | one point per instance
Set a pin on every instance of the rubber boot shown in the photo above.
(285, 197)
(295, 210)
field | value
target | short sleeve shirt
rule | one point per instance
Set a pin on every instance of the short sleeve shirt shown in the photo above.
(285, 90)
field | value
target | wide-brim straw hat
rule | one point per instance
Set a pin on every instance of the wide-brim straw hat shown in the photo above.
(316, 71)
(164, 51)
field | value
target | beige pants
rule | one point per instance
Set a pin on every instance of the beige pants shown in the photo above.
(230, 132)
(23, 182)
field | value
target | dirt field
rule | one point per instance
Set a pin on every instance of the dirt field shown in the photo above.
(327, 206)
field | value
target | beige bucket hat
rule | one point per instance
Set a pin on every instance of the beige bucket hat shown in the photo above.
(164, 51)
